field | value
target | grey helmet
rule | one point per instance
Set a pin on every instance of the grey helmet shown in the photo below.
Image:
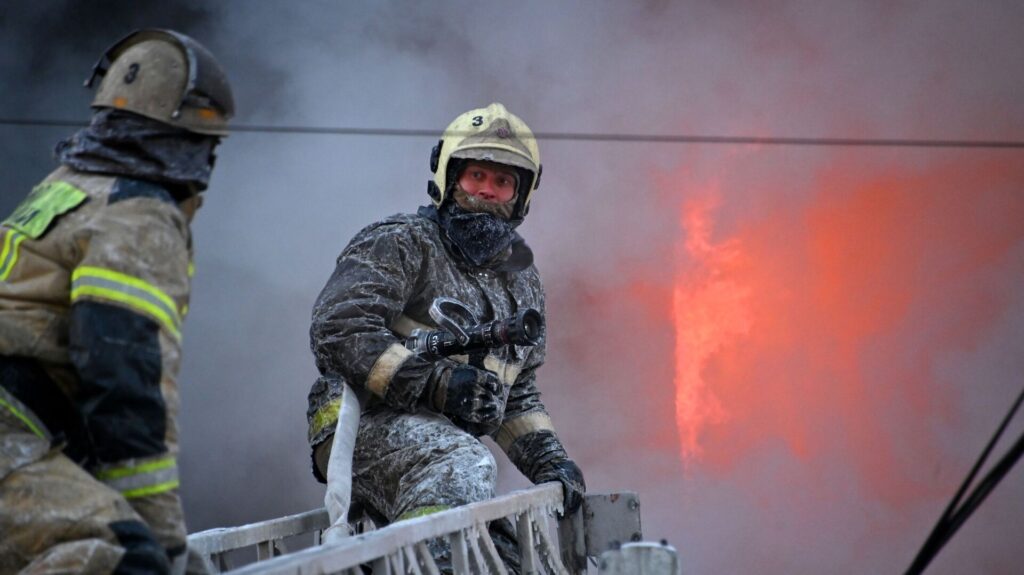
(166, 76)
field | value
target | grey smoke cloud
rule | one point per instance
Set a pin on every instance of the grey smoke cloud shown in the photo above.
(603, 224)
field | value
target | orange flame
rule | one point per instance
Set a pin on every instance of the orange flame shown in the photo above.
(827, 326)
(709, 309)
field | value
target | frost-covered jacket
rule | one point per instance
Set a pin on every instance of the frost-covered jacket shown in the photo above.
(94, 283)
(382, 288)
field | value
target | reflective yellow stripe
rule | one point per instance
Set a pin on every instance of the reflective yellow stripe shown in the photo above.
(191, 269)
(121, 278)
(122, 288)
(9, 255)
(24, 419)
(325, 416)
(421, 511)
(140, 304)
(46, 203)
(152, 490)
(141, 479)
(119, 472)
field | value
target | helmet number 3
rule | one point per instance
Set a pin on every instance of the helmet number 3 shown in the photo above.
(133, 71)
(478, 120)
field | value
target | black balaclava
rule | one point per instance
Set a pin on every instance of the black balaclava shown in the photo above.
(481, 239)
(126, 144)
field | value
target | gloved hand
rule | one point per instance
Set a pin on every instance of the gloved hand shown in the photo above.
(473, 398)
(573, 486)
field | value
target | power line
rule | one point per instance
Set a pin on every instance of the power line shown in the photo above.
(591, 137)
(959, 509)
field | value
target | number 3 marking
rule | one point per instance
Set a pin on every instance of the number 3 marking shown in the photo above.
(478, 120)
(133, 71)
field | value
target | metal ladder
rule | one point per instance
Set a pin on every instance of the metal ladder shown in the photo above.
(548, 544)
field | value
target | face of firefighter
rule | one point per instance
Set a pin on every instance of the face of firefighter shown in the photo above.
(488, 181)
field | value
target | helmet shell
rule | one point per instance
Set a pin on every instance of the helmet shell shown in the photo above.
(166, 76)
(490, 134)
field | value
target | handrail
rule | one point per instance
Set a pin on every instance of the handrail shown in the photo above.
(400, 546)
(224, 539)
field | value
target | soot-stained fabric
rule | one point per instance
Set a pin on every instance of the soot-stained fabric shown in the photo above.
(126, 144)
(398, 267)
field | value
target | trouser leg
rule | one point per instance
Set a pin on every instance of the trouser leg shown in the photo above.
(148, 479)
(58, 518)
(404, 463)
(164, 516)
(408, 465)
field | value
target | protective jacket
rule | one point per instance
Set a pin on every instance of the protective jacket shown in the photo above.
(382, 288)
(94, 283)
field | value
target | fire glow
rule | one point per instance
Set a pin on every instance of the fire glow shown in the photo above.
(709, 310)
(827, 326)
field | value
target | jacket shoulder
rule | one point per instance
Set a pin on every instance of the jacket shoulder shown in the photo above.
(123, 189)
(413, 222)
(409, 226)
(94, 185)
(104, 190)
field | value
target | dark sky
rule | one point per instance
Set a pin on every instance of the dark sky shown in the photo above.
(794, 354)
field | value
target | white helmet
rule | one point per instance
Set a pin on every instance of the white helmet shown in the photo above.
(492, 134)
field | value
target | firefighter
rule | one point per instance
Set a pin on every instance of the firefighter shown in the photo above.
(95, 267)
(417, 450)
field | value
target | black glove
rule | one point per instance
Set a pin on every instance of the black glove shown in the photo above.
(573, 486)
(473, 398)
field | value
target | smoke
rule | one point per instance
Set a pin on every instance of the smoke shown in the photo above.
(48, 36)
(47, 51)
(861, 309)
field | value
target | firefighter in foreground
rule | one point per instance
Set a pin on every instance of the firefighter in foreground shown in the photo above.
(94, 284)
(417, 449)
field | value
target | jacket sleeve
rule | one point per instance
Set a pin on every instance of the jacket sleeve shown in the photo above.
(528, 438)
(128, 294)
(350, 335)
(527, 434)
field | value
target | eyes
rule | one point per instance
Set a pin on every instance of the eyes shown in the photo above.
(500, 180)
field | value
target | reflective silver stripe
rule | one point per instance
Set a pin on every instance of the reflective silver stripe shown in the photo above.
(141, 478)
(386, 367)
(507, 372)
(516, 427)
(134, 293)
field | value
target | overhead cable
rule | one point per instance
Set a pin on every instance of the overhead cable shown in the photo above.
(593, 137)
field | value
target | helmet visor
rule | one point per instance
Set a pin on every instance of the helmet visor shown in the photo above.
(496, 155)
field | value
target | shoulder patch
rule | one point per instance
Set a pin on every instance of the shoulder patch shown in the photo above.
(43, 206)
(126, 189)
